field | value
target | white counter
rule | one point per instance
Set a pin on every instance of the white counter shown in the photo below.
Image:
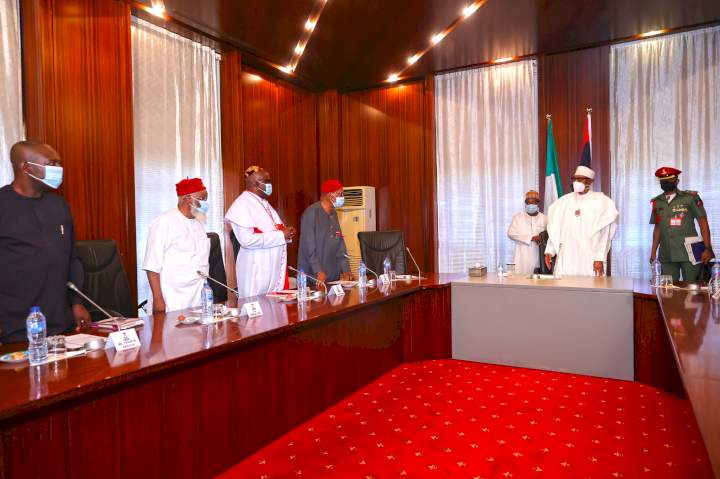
(576, 324)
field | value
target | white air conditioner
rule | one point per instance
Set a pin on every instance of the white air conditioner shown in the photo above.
(357, 214)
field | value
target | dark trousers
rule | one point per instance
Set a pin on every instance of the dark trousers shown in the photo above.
(690, 272)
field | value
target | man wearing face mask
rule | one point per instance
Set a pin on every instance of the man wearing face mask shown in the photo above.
(581, 226)
(177, 248)
(322, 245)
(674, 213)
(525, 230)
(261, 264)
(37, 246)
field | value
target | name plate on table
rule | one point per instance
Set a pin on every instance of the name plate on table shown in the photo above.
(385, 278)
(251, 310)
(337, 290)
(123, 340)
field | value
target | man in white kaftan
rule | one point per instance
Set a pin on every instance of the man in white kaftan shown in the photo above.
(525, 230)
(261, 264)
(581, 226)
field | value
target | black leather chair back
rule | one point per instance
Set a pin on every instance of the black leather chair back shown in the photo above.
(217, 269)
(376, 245)
(105, 280)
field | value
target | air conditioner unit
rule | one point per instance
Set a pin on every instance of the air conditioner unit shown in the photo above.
(357, 214)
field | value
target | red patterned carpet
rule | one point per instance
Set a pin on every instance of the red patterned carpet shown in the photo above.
(456, 419)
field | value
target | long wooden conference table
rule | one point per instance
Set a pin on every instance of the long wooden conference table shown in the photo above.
(195, 399)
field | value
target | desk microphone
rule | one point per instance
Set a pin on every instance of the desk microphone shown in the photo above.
(366, 267)
(413, 260)
(86, 298)
(312, 278)
(205, 276)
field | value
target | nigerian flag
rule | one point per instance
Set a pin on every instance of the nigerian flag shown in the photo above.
(553, 185)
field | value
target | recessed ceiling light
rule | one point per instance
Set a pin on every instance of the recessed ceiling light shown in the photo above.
(652, 33)
(411, 60)
(503, 60)
(437, 38)
(286, 69)
(470, 9)
(157, 8)
(310, 24)
(393, 78)
(299, 49)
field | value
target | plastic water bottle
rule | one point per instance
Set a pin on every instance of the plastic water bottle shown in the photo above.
(714, 284)
(387, 267)
(208, 302)
(301, 286)
(362, 275)
(37, 336)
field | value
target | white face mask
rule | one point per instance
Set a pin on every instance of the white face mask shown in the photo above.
(53, 175)
(578, 186)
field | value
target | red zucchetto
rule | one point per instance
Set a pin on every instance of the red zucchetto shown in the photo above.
(189, 186)
(329, 186)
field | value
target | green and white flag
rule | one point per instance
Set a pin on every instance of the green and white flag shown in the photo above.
(553, 185)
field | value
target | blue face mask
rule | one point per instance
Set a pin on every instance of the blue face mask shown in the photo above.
(203, 205)
(532, 209)
(53, 175)
(266, 187)
(339, 201)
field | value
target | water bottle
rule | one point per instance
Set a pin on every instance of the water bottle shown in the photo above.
(301, 286)
(362, 275)
(208, 302)
(37, 336)
(714, 283)
(387, 267)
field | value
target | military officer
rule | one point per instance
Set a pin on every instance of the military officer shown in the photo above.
(674, 213)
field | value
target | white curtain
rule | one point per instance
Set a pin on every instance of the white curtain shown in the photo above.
(487, 158)
(176, 89)
(11, 120)
(664, 111)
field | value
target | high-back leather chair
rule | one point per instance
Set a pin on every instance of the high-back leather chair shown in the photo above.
(105, 281)
(376, 245)
(217, 269)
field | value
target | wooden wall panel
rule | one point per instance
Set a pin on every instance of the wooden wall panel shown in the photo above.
(568, 83)
(78, 98)
(329, 127)
(231, 125)
(383, 134)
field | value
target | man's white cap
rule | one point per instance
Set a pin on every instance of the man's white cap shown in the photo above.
(585, 171)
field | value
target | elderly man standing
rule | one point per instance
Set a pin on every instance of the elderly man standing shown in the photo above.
(37, 246)
(261, 264)
(322, 245)
(525, 230)
(581, 226)
(177, 248)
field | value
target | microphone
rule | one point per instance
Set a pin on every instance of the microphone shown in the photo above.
(413, 260)
(366, 267)
(74, 288)
(205, 276)
(312, 278)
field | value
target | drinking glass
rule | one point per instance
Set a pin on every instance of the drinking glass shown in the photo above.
(56, 345)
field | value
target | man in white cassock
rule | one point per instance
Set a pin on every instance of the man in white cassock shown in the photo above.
(581, 226)
(261, 264)
(525, 230)
(177, 248)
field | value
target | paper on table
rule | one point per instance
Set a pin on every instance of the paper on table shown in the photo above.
(77, 341)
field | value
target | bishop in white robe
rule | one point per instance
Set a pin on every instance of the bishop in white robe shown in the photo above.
(177, 248)
(261, 264)
(581, 226)
(525, 230)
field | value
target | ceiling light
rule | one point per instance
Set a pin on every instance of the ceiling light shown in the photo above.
(157, 8)
(393, 78)
(299, 49)
(652, 33)
(437, 38)
(411, 60)
(254, 78)
(503, 60)
(310, 24)
(470, 9)
(286, 69)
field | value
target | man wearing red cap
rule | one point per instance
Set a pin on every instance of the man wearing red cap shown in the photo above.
(177, 248)
(322, 245)
(674, 213)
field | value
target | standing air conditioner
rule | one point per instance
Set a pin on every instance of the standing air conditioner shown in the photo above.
(357, 214)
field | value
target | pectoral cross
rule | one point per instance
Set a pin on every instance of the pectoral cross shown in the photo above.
(577, 213)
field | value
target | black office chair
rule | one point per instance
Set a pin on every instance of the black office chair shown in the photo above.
(105, 280)
(217, 269)
(376, 245)
(541, 251)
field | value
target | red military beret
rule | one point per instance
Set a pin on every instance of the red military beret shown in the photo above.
(667, 173)
(329, 186)
(189, 186)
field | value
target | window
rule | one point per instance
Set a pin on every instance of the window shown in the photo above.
(11, 121)
(487, 158)
(176, 90)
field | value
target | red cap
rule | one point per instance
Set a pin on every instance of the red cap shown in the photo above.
(329, 186)
(667, 172)
(189, 186)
